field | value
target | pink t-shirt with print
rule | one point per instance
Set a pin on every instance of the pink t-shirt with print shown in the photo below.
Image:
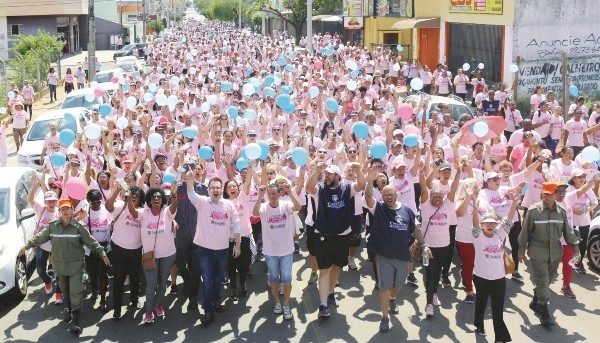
(126, 229)
(216, 221)
(278, 228)
(435, 224)
(164, 235)
(45, 217)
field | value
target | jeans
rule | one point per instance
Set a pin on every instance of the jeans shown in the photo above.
(212, 269)
(125, 262)
(155, 281)
(41, 261)
(280, 268)
(494, 289)
(52, 92)
(187, 266)
(433, 271)
(584, 231)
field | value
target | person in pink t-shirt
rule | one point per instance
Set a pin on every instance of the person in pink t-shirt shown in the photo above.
(158, 236)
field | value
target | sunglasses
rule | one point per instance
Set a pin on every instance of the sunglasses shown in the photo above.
(352, 151)
(53, 186)
(276, 130)
(157, 196)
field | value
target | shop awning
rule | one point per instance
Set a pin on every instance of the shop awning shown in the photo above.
(426, 23)
(320, 17)
(332, 18)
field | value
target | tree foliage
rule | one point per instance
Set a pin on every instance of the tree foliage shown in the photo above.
(42, 48)
(224, 10)
(156, 26)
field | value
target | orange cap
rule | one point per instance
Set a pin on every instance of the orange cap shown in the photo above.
(549, 187)
(64, 203)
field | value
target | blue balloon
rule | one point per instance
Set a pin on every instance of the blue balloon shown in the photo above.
(225, 49)
(257, 89)
(332, 105)
(244, 155)
(250, 114)
(242, 163)
(249, 71)
(411, 140)
(67, 137)
(269, 91)
(573, 90)
(190, 132)
(328, 52)
(322, 50)
(290, 108)
(287, 89)
(275, 64)
(226, 86)
(283, 100)
(105, 110)
(58, 159)
(282, 60)
(264, 149)
(205, 152)
(300, 156)
(136, 73)
(233, 111)
(354, 73)
(169, 178)
(290, 68)
(269, 80)
(378, 149)
(360, 129)
(125, 87)
(70, 118)
(314, 91)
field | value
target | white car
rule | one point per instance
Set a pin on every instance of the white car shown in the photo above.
(85, 98)
(104, 79)
(593, 246)
(17, 224)
(129, 64)
(457, 105)
(29, 154)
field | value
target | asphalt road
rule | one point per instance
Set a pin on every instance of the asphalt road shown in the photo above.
(251, 319)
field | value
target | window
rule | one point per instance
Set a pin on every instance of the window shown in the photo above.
(16, 29)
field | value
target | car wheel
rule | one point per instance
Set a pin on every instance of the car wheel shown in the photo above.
(21, 281)
(593, 252)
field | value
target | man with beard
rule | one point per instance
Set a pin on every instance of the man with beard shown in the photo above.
(335, 208)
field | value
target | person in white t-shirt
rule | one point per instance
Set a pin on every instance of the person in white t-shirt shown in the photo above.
(488, 274)
(575, 132)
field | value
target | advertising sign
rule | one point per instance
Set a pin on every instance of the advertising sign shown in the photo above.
(476, 6)
(353, 23)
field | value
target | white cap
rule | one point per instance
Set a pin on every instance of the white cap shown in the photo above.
(333, 169)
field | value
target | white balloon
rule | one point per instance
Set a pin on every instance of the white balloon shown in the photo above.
(194, 52)
(248, 89)
(161, 99)
(193, 70)
(122, 122)
(396, 67)
(514, 68)
(174, 80)
(466, 67)
(94, 84)
(89, 97)
(131, 102)
(212, 75)
(172, 101)
(480, 66)
(351, 85)
(350, 64)
(148, 97)
(205, 107)
(211, 99)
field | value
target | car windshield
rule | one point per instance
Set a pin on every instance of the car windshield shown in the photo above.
(128, 47)
(80, 101)
(456, 109)
(104, 77)
(4, 195)
(39, 129)
(126, 67)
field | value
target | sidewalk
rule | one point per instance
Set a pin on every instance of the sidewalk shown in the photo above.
(43, 104)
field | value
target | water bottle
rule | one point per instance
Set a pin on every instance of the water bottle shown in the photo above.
(575, 260)
(111, 160)
(425, 256)
(544, 168)
(123, 185)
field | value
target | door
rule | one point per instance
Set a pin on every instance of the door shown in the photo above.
(429, 47)
(390, 38)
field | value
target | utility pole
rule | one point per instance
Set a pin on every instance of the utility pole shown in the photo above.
(240, 14)
(144, 21)
(91, 42)
(121, 21)
(309, 33)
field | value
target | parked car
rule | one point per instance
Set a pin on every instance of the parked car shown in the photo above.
(129, 50)
(457, 105)
(129, 64)
(104, 79)
(81, 98)
(30, 152)
(17, 225)
(593, 246)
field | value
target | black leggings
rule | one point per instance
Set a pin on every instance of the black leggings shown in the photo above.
(513, 238)
(433, 271)
(257, 235)
(241, 264)
(125, 262)
(448, 261)
(584, 231)
(97, 272)
(496, 290)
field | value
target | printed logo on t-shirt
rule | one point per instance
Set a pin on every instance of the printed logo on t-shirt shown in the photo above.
(493, 251)
(277, 221)
(218, 218)
(399, 223)
(132, 221)
(151, 228)
(336, 202)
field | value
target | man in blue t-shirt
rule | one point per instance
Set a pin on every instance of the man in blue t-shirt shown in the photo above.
(490, 106)
(390, 230)
(335, 209)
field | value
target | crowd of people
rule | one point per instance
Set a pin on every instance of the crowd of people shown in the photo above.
(230, 147)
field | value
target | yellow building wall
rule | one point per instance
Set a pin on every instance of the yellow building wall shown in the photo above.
(428, 8)
(507, 17)
(376, 27)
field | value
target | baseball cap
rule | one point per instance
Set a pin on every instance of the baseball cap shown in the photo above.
(251, 133)
(127, 159)
(395, 143)
(58, 184)
(159, 154)
(397, 132)
(490, 175)
(64, 203)
(50, 195)
(163, 121)
(75, 161)
(488, 218)
(445, 166)
(577, 172)
(549, 187)
(333, 169)
(398, 162)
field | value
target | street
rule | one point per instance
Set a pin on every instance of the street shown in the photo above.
(251, 319)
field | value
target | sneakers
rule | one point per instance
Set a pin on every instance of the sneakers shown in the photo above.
(470, 299)
(517, 277)
(446, 281)
(287, 313)
(160, 311)
(332, 301)
(48, 288)
(148, 318)
(174, 289)
(352, 264)
(234, 295)
(58, 299)
(394, 306)
(126, 283)
(480, 331)
(580, 268)
(296, 248)
(277, 308)
(324, 311)
(566, 290)
(429, 310)
(436, 300)
(225, 280)
(411, 279)
(314, 277)
(384, 326)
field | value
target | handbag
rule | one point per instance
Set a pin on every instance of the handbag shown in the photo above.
(148, 260)
(416, 248)
(509, 263)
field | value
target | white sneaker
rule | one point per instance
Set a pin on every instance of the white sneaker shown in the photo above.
(48, 288)
(436, 300)
(429, 310)
(277, 309)
(126, 283)
(352, 263)
(287, 313)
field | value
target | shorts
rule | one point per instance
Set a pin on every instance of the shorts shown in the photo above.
(280, 268)
(332, 249)
(311, 239)
(392, 272)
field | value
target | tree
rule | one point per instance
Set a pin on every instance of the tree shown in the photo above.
(224, 10)
(293, 11)
(42, 48)
(202, 6)
(156, 26)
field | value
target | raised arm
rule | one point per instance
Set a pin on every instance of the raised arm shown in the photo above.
(174, 201)
(311, 184)
(261, 195)
(372, 176)
(454, 185)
